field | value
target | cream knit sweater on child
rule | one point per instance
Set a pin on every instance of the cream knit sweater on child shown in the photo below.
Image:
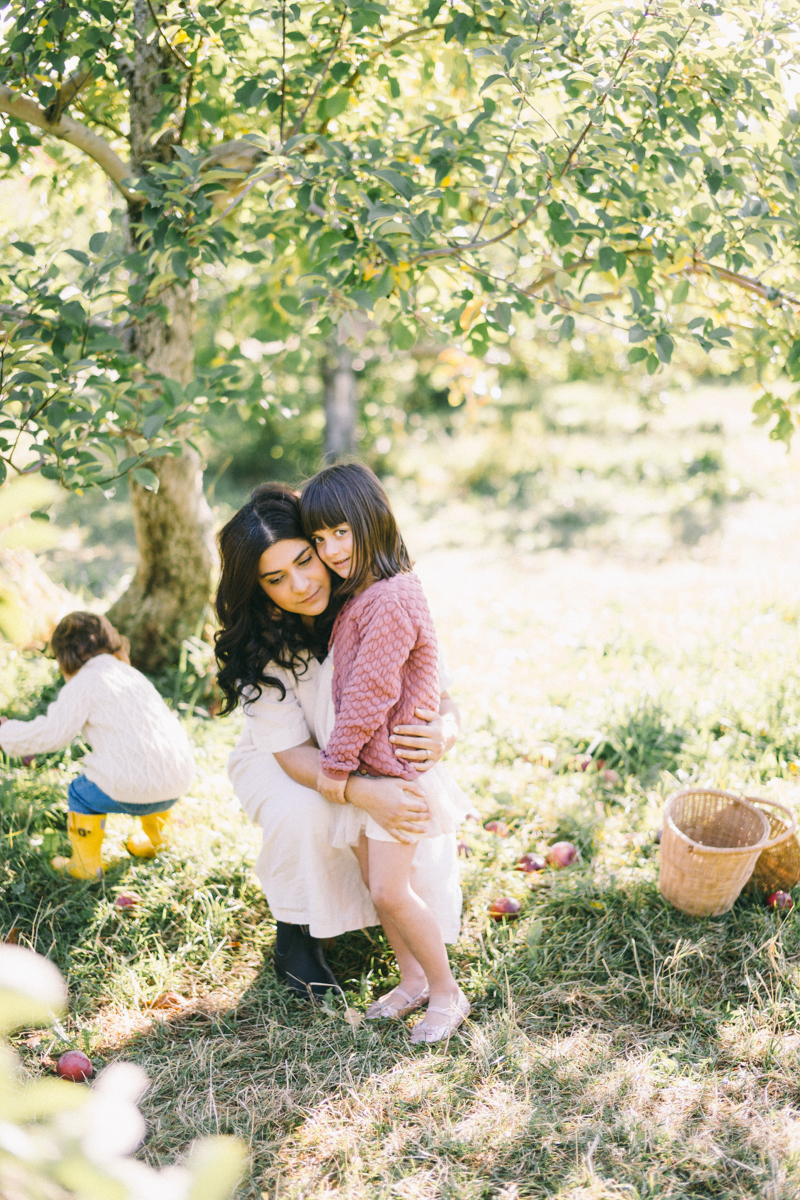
(140, 753)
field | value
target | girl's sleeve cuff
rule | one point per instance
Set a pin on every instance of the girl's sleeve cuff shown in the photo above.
(333, 773)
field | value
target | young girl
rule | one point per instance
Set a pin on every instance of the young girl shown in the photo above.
(140, 754)
(386, 665)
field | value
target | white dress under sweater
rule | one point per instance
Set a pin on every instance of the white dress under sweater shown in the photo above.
(307, 880)
(448, 806)
(140, 753)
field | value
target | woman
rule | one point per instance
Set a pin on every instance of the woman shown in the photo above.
(275, 611)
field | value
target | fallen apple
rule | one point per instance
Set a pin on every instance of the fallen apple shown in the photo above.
(611, 777)
(29, 760)
(464, 850)
(531, 862)
(499, 828)
(126, 902)
(504, 908)
(561, 854)
(74, 1065)
(781, 900)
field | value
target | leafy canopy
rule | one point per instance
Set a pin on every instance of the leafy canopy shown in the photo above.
(430, 169)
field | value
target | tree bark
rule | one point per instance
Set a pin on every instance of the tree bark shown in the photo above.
(339, 381)
(168, 595)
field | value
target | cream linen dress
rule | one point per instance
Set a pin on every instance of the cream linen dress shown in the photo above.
(306, 879)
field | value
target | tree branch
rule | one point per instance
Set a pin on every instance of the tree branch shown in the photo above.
(22, 108)
(169, 44)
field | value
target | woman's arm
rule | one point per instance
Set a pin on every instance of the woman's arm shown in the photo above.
(425, 744)
(396, 804)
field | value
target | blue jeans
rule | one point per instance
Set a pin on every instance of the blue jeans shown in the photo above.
(86, 797)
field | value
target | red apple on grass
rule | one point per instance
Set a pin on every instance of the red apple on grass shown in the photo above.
(499, 828)
(74, 1065)
(504, 908)
(126, 902)
(531, 862)
(464, 850)
(29, 760)
(561, 854)
(780, 900)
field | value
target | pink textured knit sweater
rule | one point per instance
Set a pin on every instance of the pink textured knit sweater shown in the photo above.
(386, 664)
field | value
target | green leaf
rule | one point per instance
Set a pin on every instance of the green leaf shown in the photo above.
(79, 256)
(567, 329)
(681, 292)
(793, 360)
(399, 182)
(403, 336)
(637, 355)
(337, 103)
(97, 241)
(664, 347)
(607, 258)
(652, 364)
(24, 248)
(39, 515)
(689, 125)
(152, 425)
(146, 479)
(716, 244)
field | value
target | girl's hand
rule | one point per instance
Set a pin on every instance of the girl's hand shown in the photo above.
(424, 745)
(3, 720)
(398, 805)
(332, 789)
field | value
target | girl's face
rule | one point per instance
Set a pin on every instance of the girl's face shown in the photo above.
(294, 578)
(335, 548)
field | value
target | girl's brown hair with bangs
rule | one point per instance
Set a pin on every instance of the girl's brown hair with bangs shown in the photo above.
(351, 494)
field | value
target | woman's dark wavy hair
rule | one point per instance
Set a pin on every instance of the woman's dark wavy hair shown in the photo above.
(255, 632)
(351, 494)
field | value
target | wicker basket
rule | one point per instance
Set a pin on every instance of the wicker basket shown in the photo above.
(709, 846)
(778, 865)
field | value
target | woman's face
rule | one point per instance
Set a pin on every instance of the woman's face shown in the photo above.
(294, 578)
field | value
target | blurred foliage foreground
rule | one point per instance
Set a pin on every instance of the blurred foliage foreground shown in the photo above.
(616, 1046)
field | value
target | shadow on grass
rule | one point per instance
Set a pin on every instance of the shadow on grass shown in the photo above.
(615, 1046)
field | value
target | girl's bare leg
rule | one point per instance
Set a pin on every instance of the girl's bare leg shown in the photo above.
(412, 976)
(397, 903)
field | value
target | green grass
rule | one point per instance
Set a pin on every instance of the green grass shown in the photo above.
(617, 1047)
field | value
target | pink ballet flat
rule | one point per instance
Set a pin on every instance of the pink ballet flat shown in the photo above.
(388, 1007)
(456, 1014)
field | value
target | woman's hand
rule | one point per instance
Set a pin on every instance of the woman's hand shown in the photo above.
(398, 805)
(424, 745)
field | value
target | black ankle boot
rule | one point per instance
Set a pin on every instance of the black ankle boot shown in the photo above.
(300, 963)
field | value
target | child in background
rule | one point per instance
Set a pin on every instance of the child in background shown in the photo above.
(385, 665)
(140, 760)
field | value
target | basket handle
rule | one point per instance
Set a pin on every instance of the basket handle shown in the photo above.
(787, 833)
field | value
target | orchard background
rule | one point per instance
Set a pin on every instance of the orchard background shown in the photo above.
(536, 264)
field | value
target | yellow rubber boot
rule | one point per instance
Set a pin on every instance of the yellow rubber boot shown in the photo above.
(148, 842)
(86, 832)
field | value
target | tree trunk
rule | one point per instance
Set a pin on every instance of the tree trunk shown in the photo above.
(172, 585)
(339, 380)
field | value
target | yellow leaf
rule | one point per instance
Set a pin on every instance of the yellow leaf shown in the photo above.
(470, 312)
(681, 265)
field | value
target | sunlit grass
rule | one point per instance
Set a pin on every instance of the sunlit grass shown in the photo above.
(617, 1048)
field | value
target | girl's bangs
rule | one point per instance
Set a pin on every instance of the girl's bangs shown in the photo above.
(321, 508)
